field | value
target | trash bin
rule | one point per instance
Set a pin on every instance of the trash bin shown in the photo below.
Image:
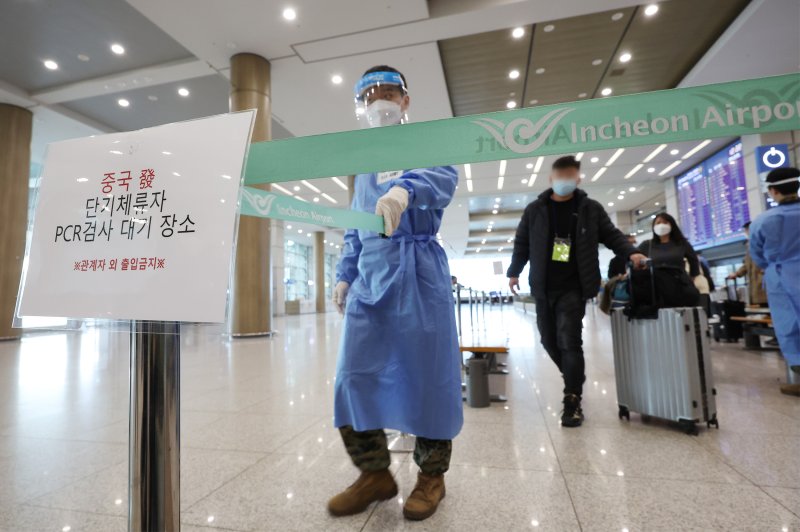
(478, 382)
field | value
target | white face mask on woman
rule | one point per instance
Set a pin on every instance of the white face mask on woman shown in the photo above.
(662, 229)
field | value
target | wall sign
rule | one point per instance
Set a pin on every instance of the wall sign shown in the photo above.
(138, 225)
(770, 157)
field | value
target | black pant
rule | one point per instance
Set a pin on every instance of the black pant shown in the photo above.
(560, 320)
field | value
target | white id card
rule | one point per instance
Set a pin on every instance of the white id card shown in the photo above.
(385, 177)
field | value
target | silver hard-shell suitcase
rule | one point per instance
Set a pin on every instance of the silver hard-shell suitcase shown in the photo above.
(663, 366)
(662, 358)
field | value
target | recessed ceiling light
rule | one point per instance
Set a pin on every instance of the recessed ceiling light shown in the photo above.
(632, 189)
(582, 95)
(607, 91)
(540, 70)
(533, 102)
(289, 13)
(594, 159)
(674, 152)
(183, 91)
(625, 57)
(657, 204)
(49, 64)
(117, 49)
(610, 203)
(296, 188)
(579, 156)
(336, 79)
(316, 199)
(620, 197)
(617, 16)
(152, 98)
(511, 104)
(549, 28)
(651, 10)
(83, 57)
(494, 211)
(518, 33)
(597, 62)
(524, 181)
(529, 166)
(123, 102)
(651, 170)
(514, 74)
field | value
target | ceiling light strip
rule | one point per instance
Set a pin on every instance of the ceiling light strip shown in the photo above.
(276, 186)
(670, 167)
(634, 170)
(599, 173)
(310, 186)
(696, 149)
(654, 153)
(615, 156)
(341, 183)
(327, 197)
(532, 180)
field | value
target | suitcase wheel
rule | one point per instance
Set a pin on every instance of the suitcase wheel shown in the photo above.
(689, 427)
(624, 412)
(713, 421)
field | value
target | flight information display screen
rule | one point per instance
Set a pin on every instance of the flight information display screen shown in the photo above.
(712, 198)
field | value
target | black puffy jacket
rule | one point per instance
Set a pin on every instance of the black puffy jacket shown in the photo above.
(594, 227)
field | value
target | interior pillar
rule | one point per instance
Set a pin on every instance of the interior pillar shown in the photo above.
(16, 125)
(319, 269)
(252, 304)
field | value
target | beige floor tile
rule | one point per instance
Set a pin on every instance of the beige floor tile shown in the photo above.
(612, 503)
(484, 498)
(280, 492)
(26, 518)
(765, 459)
(788, 497)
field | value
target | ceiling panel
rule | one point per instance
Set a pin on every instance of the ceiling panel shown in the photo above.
(666, 46)
(32, 31)
(573, 54)
(477, 67)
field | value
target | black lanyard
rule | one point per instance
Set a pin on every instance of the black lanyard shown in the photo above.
(554, 217)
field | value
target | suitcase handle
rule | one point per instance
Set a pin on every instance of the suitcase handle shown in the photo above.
(649, 264)
(735, 289)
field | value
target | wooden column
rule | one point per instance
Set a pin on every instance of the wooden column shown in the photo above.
(319, 269)
(252, 305)
(16, 125)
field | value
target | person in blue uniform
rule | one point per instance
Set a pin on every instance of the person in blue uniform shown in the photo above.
(775, 248)
(399, 365)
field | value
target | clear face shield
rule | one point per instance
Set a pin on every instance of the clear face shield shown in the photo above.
(379, 100)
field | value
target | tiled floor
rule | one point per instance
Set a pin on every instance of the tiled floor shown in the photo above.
(259, 451)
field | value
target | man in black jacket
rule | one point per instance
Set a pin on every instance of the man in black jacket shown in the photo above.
(559, 234)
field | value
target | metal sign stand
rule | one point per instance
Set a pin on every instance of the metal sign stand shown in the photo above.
(154, 462)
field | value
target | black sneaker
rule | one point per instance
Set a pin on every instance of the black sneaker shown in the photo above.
(572, 415)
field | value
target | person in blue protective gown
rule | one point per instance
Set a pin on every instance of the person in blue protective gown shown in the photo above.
(399, 364)
(775, 247)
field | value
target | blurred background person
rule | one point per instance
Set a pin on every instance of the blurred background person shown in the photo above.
(775, 247)
(757, 296)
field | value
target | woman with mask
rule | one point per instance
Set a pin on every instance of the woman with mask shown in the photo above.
(669, 251)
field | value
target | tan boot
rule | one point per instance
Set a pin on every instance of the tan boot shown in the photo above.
(791, 389)
(425, 498)
(371, 486)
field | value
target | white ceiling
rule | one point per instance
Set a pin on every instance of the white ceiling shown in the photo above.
(346, 37)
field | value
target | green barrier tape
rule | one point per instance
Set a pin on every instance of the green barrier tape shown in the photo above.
(256, 202)
(719, 110)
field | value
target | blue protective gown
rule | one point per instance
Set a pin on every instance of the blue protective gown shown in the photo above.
(399, 364)
(775, 247)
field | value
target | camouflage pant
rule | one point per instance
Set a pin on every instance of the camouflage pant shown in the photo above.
(370, 451)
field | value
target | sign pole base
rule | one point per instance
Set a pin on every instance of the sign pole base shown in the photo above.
(154, 460)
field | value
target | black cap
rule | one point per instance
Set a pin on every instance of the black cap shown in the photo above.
(779, 174)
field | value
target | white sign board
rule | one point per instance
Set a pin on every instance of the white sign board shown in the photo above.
(138, 225)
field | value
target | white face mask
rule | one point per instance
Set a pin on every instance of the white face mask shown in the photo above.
(383, 113)
(662, 229)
